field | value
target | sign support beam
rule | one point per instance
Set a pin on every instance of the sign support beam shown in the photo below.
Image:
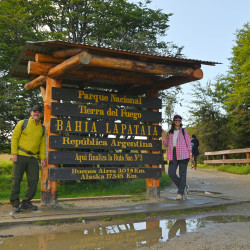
(153, 185)
(48, 188)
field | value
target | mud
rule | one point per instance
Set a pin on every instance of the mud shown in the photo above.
(227, 229)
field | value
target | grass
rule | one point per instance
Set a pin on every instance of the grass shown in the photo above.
(78, 188)
(107, 187)
(241, 169)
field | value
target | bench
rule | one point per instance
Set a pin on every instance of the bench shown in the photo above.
(225, 154)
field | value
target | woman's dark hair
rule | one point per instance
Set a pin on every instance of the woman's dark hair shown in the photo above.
(193, 136)
(171, 131)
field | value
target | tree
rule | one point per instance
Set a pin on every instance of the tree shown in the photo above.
(16, 26)
(169, 100)
(111, 23)
(234, 89)
(208, 122)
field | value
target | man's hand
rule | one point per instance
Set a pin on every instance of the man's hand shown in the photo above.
(14, 158)
(43, 163)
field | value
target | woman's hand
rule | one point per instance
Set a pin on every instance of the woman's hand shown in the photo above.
(162, 133)
(191, 158)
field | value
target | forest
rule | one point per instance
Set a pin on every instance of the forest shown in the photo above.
(220, 117)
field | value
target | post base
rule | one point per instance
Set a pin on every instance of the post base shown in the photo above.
(153, 192)
(48, 199)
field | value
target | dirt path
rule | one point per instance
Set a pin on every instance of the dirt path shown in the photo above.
(222, 231)
(229, 234)
(217, 235)
(235, 186)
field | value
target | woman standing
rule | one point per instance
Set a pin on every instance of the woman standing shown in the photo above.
(195, 150)
(178, 154)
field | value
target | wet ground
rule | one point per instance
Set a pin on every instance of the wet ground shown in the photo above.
(154, 232)
(223, 222)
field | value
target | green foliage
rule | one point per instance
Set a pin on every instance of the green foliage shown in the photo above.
(15, 104)
(207, 122)
(234, 89)
(169, 100)
(118, 24)
(78, 188)
(107, 187)
(5, 167)
(235, 169)
(220, 117)
(165, 181)
(16, 27)
(229, 168)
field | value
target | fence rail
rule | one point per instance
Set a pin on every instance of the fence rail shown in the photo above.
(225, 154)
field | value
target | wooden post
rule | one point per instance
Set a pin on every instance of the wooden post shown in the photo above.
(154, 225)
(224, 157)
(153, 185)
(48, 188)
(248, 156)
(39, 81)
(208, 158)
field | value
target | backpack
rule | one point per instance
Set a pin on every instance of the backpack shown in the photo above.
(25, 122)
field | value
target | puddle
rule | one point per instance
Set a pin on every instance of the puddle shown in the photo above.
(205, 192)
(197, 191)
(120, 236)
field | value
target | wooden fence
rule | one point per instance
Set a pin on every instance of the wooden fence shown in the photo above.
(225, 154)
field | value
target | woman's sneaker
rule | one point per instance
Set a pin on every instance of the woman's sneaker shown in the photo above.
(179, 197)
(186, 191)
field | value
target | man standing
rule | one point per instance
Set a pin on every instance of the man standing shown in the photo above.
(27, 145)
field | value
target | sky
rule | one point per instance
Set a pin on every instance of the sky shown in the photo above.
(206, 29)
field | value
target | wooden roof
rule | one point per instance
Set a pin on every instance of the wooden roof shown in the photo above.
(90, 66)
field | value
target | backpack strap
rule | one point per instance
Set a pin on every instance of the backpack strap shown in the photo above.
(25, 122)
(184, 135)
(43, 129)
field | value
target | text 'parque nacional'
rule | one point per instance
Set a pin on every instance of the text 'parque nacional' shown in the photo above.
(104, 98)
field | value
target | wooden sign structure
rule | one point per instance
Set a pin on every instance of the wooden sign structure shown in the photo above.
(91, 93)
(98, 120)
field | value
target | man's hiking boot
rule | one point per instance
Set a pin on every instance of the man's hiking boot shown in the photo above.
(16, 209)
(28, 205)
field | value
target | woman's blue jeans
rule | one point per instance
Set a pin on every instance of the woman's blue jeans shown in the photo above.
(180, 181)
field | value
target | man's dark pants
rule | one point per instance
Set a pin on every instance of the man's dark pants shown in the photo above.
(180, 181)
(31, 167)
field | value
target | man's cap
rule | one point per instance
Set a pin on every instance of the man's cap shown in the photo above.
(37, 108)
(177, 117)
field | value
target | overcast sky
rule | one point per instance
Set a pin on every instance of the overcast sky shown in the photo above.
(206, 29)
